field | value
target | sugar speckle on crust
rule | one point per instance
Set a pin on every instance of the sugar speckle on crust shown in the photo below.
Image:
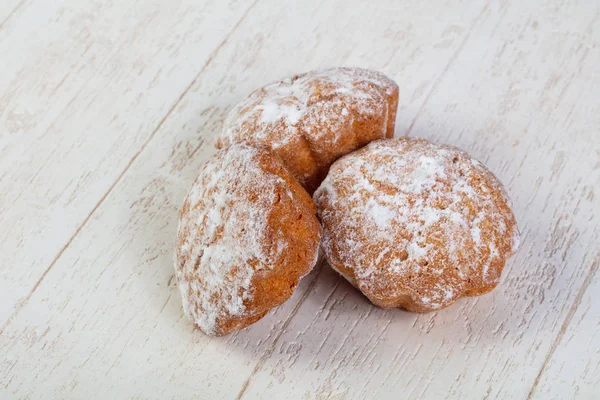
(221, 236)
(380, 214)
(443, 214)
(271, 112)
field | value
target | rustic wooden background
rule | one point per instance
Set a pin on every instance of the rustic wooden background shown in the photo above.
(108, 108)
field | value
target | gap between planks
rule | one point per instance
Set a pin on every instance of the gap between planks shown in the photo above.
(565, 324)
(286, 323)
(10, 14)
(210, 58)
(448, 65)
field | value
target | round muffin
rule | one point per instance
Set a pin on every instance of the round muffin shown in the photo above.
(247, 233)
(415, 225)
(311, 120)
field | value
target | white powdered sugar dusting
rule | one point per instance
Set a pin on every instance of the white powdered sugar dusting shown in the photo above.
(221, 236)
(380, 214)
(291, 102)
(427, 214)
(271, 112)
(314, 118)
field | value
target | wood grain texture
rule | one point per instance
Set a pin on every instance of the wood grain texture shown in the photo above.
(533, 132)
(572, 368)
(78, 101)
(514, 83)
(8, 9)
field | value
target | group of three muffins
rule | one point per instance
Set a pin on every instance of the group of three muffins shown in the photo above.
(410, 223)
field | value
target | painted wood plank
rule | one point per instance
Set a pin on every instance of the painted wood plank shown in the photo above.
(515, 84)
(573, 366)
(111, 283)
(519, 96)
(78, 101)
(8, 9)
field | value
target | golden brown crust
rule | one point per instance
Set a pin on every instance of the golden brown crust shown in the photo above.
(415, 225)
(248, 232)
(311, 120)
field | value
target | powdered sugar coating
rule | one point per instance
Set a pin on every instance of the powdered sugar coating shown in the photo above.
(226, 240)
(415, 225)
(312, 119)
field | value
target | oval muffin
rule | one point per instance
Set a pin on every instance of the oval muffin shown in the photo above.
(414, 224)
(312, 119)
(247, 233)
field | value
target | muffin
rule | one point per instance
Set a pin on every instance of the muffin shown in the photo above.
(415, 225)
(247, 233)
(312, 119)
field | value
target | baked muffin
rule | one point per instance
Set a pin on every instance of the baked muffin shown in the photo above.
(247, 233)
(415, 225)
(312, 119)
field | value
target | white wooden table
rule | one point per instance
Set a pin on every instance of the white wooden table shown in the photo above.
(108, 108)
